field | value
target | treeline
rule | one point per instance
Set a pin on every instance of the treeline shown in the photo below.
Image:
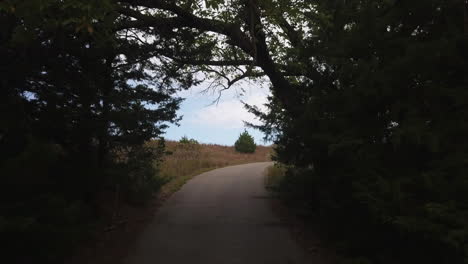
(77, 103)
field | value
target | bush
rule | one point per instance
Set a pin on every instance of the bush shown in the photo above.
(186, 141)
(139, 174)
(44, 211)
(245, 143)
(187, 149)
(379, 218)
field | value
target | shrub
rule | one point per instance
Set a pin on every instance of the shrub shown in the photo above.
(186, 141)
(187, 149)
(245, 143)
(139, 175)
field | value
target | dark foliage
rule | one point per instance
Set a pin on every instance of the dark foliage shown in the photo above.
(77, 104)
(245, 143)
(377, 145)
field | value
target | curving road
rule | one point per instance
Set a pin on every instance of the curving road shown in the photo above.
(219, 217)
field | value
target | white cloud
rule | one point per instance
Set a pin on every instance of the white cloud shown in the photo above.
(230, 112)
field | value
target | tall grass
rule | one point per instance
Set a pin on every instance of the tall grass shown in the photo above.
(274, 176)
(183, 163)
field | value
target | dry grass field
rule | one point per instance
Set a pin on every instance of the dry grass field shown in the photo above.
(188, 160)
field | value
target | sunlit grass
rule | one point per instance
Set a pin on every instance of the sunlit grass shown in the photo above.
(183, 164)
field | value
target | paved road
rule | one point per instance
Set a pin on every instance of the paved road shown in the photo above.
(219, 217)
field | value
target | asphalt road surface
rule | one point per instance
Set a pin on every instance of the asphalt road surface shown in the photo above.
(220, 217)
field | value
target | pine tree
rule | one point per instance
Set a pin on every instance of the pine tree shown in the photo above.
(245, 143)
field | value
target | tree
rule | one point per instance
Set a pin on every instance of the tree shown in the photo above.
(372, 139)
(245, 143)
(78, 104)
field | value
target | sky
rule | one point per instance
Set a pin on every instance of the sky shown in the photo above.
(222, 122)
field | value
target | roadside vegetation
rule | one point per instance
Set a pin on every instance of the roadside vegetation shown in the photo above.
(187, 158)
(274, 177)
(73, 127)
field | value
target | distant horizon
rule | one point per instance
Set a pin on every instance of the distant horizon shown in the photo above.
(218, 123)
(211, 143)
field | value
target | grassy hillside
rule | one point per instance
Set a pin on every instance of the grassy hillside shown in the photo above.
(186, 160)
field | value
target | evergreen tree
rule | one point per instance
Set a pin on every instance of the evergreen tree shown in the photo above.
(78, 104)
(245, 143)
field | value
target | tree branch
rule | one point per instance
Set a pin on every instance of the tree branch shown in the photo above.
(144, 21)
(256, 46)
(187, 19)
(214, 62)
(294, 36)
